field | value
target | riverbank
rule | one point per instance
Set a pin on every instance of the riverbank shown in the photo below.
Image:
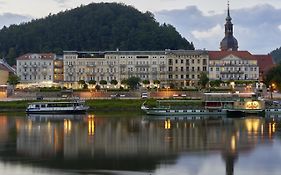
(94, 104)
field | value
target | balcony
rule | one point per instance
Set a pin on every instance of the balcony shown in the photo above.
(232, 72)
(34, 65)
(142, 65)
(90, 65)
(70, 65)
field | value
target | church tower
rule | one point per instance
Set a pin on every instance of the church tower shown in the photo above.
(229, 42)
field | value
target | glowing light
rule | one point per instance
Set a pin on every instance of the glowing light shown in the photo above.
(67, 126)
(233, 143)
(273, 127)
(252, 125)
(91, 125)
(168, 124)
(252, 105)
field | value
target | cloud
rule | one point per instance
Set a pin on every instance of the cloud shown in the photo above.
(257, 29)
(7, 19)
(210, 33)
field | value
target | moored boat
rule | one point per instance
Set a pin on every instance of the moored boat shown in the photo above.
(74, 107)
(168, 110)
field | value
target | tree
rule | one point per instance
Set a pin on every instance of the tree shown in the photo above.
(92, 82)
(215, 83)
(13, 80)
(129, 29)
(83, 84)
(146, 82)
(204, 79)
(103, 82)
(124, 82)
(273, 76)
(156, 82)
(133, 82)
(114, 82)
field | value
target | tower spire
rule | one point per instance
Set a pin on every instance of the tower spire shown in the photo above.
(228, 42)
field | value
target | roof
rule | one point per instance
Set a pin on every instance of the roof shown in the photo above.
(218, 55)
(6, 67)
(265, 62)
(43, 56)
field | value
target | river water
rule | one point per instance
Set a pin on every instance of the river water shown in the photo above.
(113, 144)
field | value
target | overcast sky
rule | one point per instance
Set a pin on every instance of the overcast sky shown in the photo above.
(257, 23)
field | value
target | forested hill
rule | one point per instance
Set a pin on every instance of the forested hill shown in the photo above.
(276, 55)
(97, 26)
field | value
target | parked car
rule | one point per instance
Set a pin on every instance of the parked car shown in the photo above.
(144, 95)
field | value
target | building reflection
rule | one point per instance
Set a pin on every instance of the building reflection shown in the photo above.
(134, 138)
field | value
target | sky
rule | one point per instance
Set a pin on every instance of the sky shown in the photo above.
(257, 23)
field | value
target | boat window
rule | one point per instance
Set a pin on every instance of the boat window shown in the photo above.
(185, 111)
(167, 110)
(276, 109)
(36, 106)
(193, 111)
(43, 106)
(176, 111)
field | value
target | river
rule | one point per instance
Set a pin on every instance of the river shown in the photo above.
(113, 144)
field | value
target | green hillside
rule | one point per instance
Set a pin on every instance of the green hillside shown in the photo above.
(97, 26)
(276, 55)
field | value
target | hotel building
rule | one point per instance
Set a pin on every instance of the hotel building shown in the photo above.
(36, 68)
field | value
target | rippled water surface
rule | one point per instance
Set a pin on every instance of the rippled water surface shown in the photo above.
(113, 144)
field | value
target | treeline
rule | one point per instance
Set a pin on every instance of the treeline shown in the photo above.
(276, 55)
(97, 26)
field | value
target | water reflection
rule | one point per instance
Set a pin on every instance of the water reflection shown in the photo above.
(133, 144)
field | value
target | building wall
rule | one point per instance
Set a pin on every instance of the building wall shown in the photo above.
(235, 68)
(4, 77)
(34, 68)
(58, 70)
(184, 67)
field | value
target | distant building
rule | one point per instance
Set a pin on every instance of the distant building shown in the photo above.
(5, 71)
(229, 42)
(178, 67)
(233, 65)
(184, 67)
(265, 63)
(58, 69)
(36, 67)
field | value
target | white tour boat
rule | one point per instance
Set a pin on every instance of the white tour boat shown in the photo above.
(75, 107)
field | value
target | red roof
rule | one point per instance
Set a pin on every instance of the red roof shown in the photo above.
(44, 56)
(265, 62)
(218, 55)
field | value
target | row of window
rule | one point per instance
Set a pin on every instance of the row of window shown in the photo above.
(34, 77)
(204, 68)
(233, 69)
(35, 63)
(192, 76)
(187, 62)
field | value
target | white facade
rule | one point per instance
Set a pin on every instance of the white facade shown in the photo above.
(35, 68)
(179, 67)
(233, 67)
